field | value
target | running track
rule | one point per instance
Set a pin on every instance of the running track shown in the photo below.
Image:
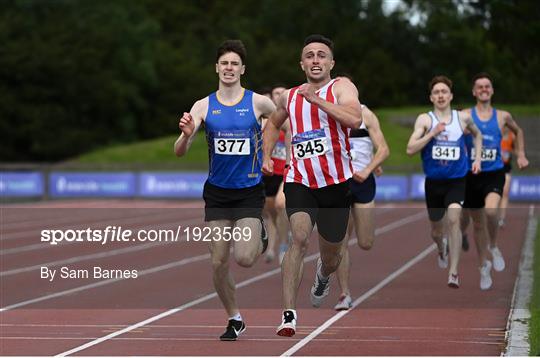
(403, 306)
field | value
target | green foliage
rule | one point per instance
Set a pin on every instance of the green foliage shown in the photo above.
(82, 74)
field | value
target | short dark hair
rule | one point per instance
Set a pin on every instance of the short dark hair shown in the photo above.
(440, 79)
(319, 38)
(235, 46)
(481, 75)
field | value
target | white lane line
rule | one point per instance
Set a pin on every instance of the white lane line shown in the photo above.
(407, 220)
(359, 300)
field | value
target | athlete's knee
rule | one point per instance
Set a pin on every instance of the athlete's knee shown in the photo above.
(491, 213)
(365, 244)
(244, 259)
(219, 263)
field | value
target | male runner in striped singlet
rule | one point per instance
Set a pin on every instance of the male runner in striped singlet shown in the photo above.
(316, 184)
(485, 190)
(363, 188)
(439, 134)
(233, 193)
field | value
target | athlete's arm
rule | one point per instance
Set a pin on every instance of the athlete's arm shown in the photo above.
(469, 124)
(421, 134)
(271, 132)
(522, 160)
(286, 127)
(347, 111)
(189, 124)
(381, 147)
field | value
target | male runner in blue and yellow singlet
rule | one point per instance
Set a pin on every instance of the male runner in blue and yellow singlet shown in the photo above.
(233, 193)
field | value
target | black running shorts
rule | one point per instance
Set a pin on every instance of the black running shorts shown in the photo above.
(364, 192)
(480, 185)
(327, 207)
(232, 204)
(440, 193)
(271, 184)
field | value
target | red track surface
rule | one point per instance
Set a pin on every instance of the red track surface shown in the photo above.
(415, 313)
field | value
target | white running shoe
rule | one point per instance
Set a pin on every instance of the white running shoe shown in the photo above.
(320, 288)
(453, 281)
(442, 257)
(498, 260)
(485, 276)
(288, 324)
(344, 303)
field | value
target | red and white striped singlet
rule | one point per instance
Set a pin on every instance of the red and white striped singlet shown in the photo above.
(321, 155)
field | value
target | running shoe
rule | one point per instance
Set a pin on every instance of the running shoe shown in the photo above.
(485, 276)
(344, 303)
(498, 260)
(501, 223)
(320, 288)
(453, 281)
(233, 330)
(442, 258)
(288, 324)
(465, 242)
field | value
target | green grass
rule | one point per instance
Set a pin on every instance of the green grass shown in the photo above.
(534, 305)
(159, 152)
(156, 151)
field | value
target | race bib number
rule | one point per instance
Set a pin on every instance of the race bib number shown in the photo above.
(280, 151)
(487, 155)
(310, 144)
(232, 143)
(440, 152)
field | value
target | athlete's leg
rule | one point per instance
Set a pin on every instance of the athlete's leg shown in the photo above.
(504, 200)
(454, 236)
(480, 234)
(249, 246)
(270, 219)
(292, 267)
(282, 222)
(492, 205)
(364, 224)
(344, 267)
(222, 278)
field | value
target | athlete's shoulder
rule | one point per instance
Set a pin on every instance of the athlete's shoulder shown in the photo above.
(200, 107)
(263, 103)
(503, 114)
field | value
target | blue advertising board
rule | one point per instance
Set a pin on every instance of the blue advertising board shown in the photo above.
(392, 188)
(21, 184)
(171, 185)
(92, 184)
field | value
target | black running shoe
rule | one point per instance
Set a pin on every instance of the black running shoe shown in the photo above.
(233, 330)
(464, 242)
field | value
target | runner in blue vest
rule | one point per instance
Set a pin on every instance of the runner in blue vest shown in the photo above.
(439, 134)
(233, 193)
(485, 189)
